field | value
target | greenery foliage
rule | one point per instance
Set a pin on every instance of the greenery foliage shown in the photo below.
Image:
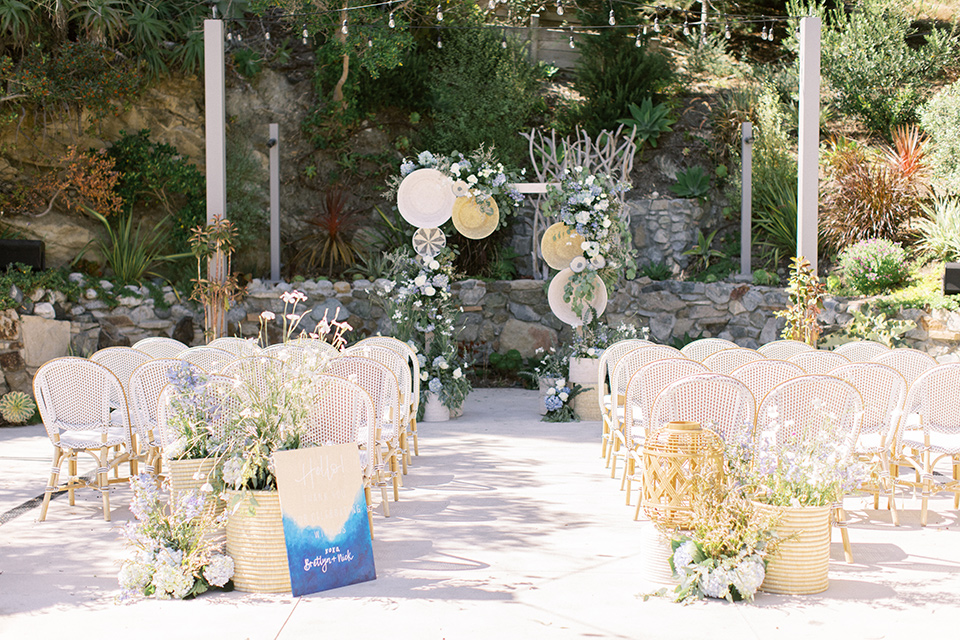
(701, 252)
(939, 229)
(130, 252)
(872, 266)
(27, 280)
(330, 241)
(939, 118)
(648, 121)
(805, 293)
(613, 72)
(871, 326)
(875, 73)
(692, 183)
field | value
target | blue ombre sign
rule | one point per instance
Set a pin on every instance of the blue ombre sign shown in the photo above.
(324, 518)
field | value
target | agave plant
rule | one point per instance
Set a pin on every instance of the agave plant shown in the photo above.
(648, 121)
(330, 242)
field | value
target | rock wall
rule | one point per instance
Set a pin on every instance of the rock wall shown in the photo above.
(497, 316)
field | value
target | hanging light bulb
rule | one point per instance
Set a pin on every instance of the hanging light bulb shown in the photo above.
(763, 33)
(572, 46)
(503, 42)
(229, 37)
(439, 43)
(390, 22)
(770, 33)
(636, 41)
(559, 7)
(266, 36)
(726, 33)
(239, 38)
(439, 13)
(492, 5)
(612, 20)
(369, 42)
(686, 27)
(343, 27)
(644, 30)
(656, 24)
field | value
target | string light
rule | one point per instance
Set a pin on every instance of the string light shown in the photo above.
(727, 32)
(637, 42)
(656, 24)
(763, 33)
(439, 43)
(239, 38)
(612, 20)
(492, 5)
(572, 46)
(343, 27)
(503, 42)
(439, 13)
(229, 37)
(559, 7)
(369, 42)
(390, 22)
(266, 36)
(305, 35)
(686, 27)
(644, 30)
(770, 33)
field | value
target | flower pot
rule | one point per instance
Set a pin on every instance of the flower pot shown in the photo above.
(456, 412)
(191, 474)
(800, 565)
(545, 383)
(256, 544)
(434, 410)
(655, 552)
(585, 371)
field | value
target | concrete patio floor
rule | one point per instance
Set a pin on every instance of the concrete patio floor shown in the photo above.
(507, 527)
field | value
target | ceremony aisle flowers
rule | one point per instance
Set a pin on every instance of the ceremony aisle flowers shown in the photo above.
(559, 401)
(173, 553)
(424, 315)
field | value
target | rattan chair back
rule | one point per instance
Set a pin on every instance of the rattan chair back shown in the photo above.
(761, 376)
(147, 382)
(819, 361)
(160, 347)
(726, 360)
(210, 359)
(911, 363)
(883, 391)
(718, 402)
(609, 358)
(861, 350)
(630, 362)
(803, 406)
(121, 361)
(214, 408)
(703, 347)
(239, 347)
(644, 387)
(783, 349)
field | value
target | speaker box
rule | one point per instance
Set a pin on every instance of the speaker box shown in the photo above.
(28, 252)
(951, 278)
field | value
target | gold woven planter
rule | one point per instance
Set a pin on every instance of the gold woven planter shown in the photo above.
(190, 475)
(800, 565)
(256, 544)
(673, 458)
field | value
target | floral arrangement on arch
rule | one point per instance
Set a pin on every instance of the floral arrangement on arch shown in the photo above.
(424, 315)
(479, 175)
(174, 555)
(588, 204)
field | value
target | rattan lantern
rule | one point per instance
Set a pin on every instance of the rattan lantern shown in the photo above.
(673, 458)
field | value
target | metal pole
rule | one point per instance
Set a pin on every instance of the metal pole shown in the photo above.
(274, 144)
(809, 140)
(746, 197)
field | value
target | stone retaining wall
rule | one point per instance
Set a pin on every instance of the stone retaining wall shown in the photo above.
(498, 316)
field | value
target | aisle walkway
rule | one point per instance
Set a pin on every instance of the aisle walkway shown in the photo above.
(507, 528)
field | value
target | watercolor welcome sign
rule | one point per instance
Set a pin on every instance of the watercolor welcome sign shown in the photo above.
(324, 518)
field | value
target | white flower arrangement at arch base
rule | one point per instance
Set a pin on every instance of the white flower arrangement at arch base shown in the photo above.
(587, 203)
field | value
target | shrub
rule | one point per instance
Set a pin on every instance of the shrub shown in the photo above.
(870, 193)
(876, 75)
(613, 73)
(872, 266)
(482, 94)
(939, 118)
(940, 229)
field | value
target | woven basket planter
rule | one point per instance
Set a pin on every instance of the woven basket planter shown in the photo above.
(256, 544)
(585, 371)
(800, 565)
(190, 475)
(673, 458)
(655, 552)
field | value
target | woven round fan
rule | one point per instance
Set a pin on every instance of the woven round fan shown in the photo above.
(564, 310)
(560, 244)
(425, 198)
(476, 219)
(429, 242)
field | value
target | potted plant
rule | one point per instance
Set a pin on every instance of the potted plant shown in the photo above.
(800, 476)
(549, 366)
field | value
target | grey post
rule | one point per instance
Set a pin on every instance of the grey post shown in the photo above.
(274, 144)
(746, 197)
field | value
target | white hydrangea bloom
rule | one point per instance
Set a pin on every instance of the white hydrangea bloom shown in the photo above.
(171, 582)
(134, 576)
(219, 570)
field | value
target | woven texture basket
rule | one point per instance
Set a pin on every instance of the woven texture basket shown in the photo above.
(190, 475)
(256, 544)
(434, 410)
(800, 565)
(655, 552)
(585, 371)
(673, 458)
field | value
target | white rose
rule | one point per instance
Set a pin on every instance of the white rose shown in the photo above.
(551, 391)
(457, 373)
(434, 265)
(583, 217)
(424, 375)
(591, 352)
(563, 396)
(420, 280)
(562, 382)
(429, 291)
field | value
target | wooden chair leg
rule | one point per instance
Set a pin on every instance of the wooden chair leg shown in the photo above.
(367, 499)
(72, 471)
(416, 439)
(841, 516)
(927, 487)
(103, 481)
(52, 482)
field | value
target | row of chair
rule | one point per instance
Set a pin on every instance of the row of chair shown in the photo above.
(113, 401)
(885, 404)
